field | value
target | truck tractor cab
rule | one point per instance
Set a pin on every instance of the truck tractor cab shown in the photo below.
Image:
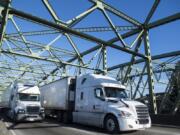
(102, 101)
(25, 103)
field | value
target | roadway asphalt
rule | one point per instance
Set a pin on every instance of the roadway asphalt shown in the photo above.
(51, 127)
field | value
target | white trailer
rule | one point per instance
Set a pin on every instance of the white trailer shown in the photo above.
(22, 102)
(94, 100)
(58, 98)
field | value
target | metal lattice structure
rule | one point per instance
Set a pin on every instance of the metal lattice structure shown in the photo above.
(53, 48)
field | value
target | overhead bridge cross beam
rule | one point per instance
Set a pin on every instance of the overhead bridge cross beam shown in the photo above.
(86, 29)
(45, 59)
(70, 31)
(156, 57)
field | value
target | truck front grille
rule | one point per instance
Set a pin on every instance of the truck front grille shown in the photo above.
(142, 114)
(33, 109)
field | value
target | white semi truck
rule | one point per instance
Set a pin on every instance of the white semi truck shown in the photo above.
(94, 100)
(22, 102)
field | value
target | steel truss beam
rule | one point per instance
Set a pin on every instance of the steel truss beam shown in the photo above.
(45, 59)
(117, 12)
(163, 21)
(87, 29)
(4, 13)
(150, 74)
(153, 9)
(63, 28)
(156, 57)
(150, 26)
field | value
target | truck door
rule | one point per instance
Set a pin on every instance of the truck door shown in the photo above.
(96, 107)
(98, 101)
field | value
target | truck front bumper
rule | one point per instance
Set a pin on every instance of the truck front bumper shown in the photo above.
(30, 117)
(129, 124)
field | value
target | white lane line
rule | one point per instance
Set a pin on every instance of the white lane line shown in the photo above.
(161, 131)
(166, 126)
(12, 132)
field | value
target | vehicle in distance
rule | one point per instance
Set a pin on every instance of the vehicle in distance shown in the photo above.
(95, 100)
(22, 102)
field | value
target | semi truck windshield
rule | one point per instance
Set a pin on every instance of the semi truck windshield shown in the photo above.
(115, 92)
(29, 97)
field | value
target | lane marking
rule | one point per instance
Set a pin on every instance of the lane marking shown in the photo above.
(12, 132)
(166, 126)
(161, 131)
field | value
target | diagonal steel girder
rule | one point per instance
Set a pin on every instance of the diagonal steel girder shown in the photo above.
(52, 12)
(150, 26)
(117, 12)
(163, 21)
(154, 71)
(135, 32)
(4, 13)
(153, 9)
(160, 56)
(71, 31)
(44, 59)
(131, 33)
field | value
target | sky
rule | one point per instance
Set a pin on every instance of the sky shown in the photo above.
(163, 39)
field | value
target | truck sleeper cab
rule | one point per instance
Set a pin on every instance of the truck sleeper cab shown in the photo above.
(101, 101)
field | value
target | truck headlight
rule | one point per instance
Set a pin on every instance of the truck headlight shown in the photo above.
(42, 110)
(124, 114)
(21, 111)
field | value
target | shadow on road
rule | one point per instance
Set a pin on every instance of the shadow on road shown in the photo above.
(51, 123)
(86, 128)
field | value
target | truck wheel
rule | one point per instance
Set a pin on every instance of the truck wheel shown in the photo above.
(111, 124)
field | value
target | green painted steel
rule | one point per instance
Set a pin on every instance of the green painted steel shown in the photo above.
(28, 59)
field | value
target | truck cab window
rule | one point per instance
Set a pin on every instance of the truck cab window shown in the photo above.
(115, 92)
(99, 93)
(29, 97)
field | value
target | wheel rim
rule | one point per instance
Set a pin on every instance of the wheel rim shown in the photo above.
(110, 125)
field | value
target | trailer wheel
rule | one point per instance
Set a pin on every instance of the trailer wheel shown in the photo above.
(111, 124)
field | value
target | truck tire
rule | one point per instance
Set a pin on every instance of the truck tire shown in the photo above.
(111, 124)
